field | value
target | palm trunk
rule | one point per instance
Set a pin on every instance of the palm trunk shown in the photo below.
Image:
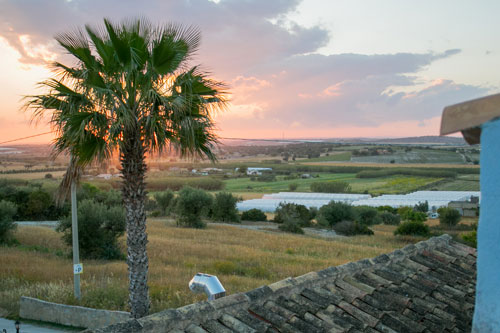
(134, 195)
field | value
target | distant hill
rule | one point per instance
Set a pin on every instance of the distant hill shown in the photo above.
(434, 140)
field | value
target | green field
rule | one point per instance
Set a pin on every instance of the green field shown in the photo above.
(335, 157)
(383, 185)
(414, 156)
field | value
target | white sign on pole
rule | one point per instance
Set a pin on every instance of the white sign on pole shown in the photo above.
(78, 269)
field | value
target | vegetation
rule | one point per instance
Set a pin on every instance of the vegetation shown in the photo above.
(177, 254)
(390, 218)
(335, 212)
(176, 183)
(292, 187)
(406, 171)
(99, 227)
(449, 216)
(367, 215)
(224, 207)
(7, 212)
(165, 201)
(130, 90)
(331, 187)
(351, 228)
(253, 214)
(410, 214)
(412, 228)
(293, 213)
(191, 205)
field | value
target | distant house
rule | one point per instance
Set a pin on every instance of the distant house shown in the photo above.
(305, 176)
(465, 208)
(257, 171)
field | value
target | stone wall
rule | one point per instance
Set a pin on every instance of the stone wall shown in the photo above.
(76, 316)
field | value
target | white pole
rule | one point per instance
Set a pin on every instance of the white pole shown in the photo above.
(74, 228)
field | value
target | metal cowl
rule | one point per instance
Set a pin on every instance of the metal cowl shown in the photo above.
(208, 284)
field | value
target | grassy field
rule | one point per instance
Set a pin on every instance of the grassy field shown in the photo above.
(332, 157)
(406, 165)
(388, 185)
(414, 156)
(242, 259)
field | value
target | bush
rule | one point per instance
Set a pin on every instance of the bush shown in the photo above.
(292, 225)
(367, 215)
(335, 212)
(387, 209)
(48, 176)
(412, 228)
(191, 205)
(253, 214)
(292, 187)
(99, 227)
(164, 200)
(409, 214)
(38, 205)
(449, 216)
(351, 228)
(224, 207)
(289, 211)
(331, 187)
(7, 212)
(470, 238)
(390, 218)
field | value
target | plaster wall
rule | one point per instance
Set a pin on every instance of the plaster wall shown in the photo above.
(487, 309)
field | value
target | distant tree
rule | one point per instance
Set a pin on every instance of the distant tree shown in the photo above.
(292, 187)
(191, 205)
(164, 200)
(99, 227)
(449, 216)
(253, 214)
(335, 212)
(224, 207)
(7, 212)
(422, 207)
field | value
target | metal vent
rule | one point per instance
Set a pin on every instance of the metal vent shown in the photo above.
(208, 284)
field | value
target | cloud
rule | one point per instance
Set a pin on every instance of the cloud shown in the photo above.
(278, 79)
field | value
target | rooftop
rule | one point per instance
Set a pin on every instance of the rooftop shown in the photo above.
(426, 287)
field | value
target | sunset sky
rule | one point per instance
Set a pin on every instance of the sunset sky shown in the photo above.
(298, 69)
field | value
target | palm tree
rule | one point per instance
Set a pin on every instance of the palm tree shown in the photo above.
(130, 91)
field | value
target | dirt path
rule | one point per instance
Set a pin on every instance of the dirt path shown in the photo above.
(273, 227)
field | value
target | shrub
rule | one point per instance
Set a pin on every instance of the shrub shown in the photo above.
(164, 200)
(387, 209)
(390, 218)
(351, 228)
(331, 187)
(224, 207)
(48, 176)
(289, 211)
(292, 225)
(449, 216)
(38, 205)
(409, 214)
(367, 215)
(7, 212)
(191, 205)
(335, 212)
(470, 238)
(412, 228)
(292, 187)
(253, 214)
(99, 227)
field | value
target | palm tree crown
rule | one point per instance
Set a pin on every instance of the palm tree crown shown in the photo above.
(131, 90)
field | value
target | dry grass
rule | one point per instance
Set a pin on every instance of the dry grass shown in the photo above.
(242, 259)
(32, 175)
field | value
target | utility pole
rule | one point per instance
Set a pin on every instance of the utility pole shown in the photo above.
(77, 267)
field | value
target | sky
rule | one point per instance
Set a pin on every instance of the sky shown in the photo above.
(296, 69)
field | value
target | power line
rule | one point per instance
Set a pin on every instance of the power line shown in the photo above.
(26, 137)
(242, 139)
